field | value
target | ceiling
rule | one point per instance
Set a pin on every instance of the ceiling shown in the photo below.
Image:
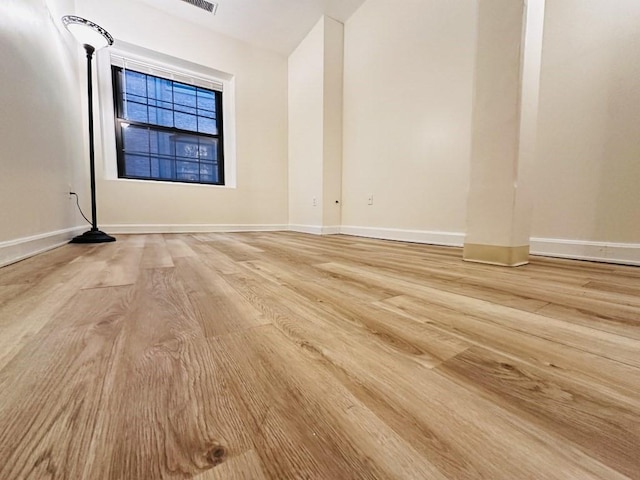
(277, 25)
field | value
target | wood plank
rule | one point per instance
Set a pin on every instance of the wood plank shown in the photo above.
(23, 316)
(294, 267)
(286, 308)
(432, 346)
(9, 292)
(34, 269)
(155, 253)
(122, 268)
(50, 393)
(615, 347)
(178, 247)
(633, 291)
(165, 394)
(581, 315)
(219, 309)
(214, 259)
(238, 251)
(402, 384)
(585, 416)
(592, 370)
(246, 466)
(303, 421)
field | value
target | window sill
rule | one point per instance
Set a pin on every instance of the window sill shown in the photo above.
(176, 184)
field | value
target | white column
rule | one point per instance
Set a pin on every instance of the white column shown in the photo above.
(505, 115)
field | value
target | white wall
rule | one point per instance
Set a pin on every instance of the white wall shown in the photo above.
(261, 127)
(41, 129)
(315, 129)
(306, 106)
(332, 123)
(407, 115)
(588, 168)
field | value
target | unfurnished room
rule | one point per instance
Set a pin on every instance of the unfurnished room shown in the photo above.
(320, 239)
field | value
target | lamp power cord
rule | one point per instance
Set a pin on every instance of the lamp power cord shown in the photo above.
(80, 209)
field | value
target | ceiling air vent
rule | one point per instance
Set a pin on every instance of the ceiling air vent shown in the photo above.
(203, 4)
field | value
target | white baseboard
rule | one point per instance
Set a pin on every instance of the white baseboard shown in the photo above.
(312, 229)
(622, 253)
(315, 229)
(190, 228)
(15, 250)
(416, 236)
(619, 253)
(332, 230)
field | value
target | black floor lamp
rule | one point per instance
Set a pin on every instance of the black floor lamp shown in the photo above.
(92, 37)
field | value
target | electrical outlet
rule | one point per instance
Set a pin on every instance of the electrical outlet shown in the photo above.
(370, 199)
(315, 202)
(69, 190)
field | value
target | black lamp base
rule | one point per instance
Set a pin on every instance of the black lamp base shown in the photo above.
(93, 236)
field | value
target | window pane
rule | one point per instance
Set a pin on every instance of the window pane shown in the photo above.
(160, 89)
(207, 125)
(206, 113)
(185, 109)
(208, 150)
(137, 165)
(135, 83)
(188, 171)
(187, 147)
(156, 145)
(208, 172)
(161, 116)
(186, 122)
(163, 144)
(167, 169)
(206, 100)
(162, 168)
(135, 111)
(184, 95)
(136, 139)
(155, 166)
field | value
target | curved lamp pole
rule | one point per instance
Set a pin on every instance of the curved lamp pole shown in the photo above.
(92, 37)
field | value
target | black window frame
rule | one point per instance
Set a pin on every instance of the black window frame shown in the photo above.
(118, 95)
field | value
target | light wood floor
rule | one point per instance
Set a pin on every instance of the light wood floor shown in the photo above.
(287, 356)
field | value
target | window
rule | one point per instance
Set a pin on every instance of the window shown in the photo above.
(167, 130)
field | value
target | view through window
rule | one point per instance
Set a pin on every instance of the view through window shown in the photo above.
(167, 130)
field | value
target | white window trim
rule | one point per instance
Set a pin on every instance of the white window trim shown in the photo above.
(106, 141)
